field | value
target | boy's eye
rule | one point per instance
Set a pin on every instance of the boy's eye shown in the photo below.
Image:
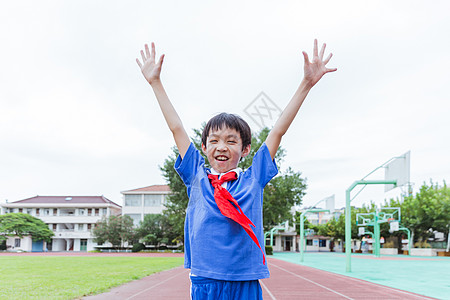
(232, 142)
(213, 141)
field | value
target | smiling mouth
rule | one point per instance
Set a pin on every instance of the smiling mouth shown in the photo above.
(221, 158)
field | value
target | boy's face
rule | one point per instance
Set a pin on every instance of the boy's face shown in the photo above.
(224, 149)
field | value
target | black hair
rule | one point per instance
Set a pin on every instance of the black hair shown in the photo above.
(231, 121)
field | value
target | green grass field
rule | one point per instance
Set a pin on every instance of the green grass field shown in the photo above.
(53, 277)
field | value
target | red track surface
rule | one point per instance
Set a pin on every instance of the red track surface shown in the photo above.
(287, 281)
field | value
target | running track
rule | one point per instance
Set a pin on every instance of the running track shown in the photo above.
(287, 281)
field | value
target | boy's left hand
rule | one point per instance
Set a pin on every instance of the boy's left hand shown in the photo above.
(314, 70)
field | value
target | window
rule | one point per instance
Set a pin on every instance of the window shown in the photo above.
(96, 211)
(309, 242)
(54, 227)
(322, 243)
(16, 242)
(104, 211)
(152, 200)
(47, 212)
(37, 211)
(55, 211)
(133, 200)
(81, 211)
(89, 211)
(29, 210)
(80, 227)
(67, 211)
(20, 210)
(136, 218)
(89, 226)
(268, 241)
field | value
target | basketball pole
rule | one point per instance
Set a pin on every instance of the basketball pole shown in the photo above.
(302, 226)
(408, 232)
(348, 216)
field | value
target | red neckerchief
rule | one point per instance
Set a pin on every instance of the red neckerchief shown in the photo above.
(225, 203)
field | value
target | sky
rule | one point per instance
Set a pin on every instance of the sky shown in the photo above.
(78, 118)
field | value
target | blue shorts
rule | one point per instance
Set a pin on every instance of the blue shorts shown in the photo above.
(212, 289)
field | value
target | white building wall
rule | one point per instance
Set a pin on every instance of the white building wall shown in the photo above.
(25, 243)
(91, 245)
(76, 245)
(137, 213)
(66, 217)
(58, 245)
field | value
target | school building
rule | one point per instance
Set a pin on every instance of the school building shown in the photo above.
(143, 201)
(286, 239)
(70, 217)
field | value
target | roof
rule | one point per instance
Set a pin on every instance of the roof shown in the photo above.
(152, 188)
(66, 199)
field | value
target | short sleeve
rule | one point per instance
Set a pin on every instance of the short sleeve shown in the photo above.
(263, 167)
(189, 165)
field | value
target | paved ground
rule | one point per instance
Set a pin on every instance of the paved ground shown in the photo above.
(287, 281)
(418, 274)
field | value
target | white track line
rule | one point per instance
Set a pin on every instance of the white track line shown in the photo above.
(157, 284)
(265, 287)
(383, 286)
(313, 282)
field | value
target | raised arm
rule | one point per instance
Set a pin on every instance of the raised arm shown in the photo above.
(151, 71)
(313, 71)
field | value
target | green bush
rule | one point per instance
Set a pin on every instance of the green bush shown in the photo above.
(269, 250)
(138, 247)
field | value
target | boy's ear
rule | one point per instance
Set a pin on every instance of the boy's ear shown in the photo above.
(204, 149)
(246, 151)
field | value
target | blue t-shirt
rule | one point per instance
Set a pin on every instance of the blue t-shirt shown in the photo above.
(216, 246)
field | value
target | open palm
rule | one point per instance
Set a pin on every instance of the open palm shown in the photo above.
(150, 69)
(314, 70)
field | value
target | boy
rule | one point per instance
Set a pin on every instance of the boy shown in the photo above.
(222, 250)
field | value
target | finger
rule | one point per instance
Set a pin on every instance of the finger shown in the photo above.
(143, 57)
(330, 70)
(322, 51)
(139, 63)
(153, 51)
(161, 60)
(315, 48)
(328, 58)
(147, 52)
(305, 56)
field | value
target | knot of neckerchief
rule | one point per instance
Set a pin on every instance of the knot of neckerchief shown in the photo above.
(229, 207)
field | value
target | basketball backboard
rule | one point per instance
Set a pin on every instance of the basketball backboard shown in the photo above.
(393, 226)
(398, 169)
(329, 203)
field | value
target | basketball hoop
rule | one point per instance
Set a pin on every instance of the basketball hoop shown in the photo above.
(361, 231)
(393, 225)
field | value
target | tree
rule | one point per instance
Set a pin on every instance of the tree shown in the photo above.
(156, 230)
(335, 227)
(20, 224)
(426, 211)
(114, 229)
(280, 195)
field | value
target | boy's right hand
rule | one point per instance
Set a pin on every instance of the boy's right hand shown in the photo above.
(149, 68)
